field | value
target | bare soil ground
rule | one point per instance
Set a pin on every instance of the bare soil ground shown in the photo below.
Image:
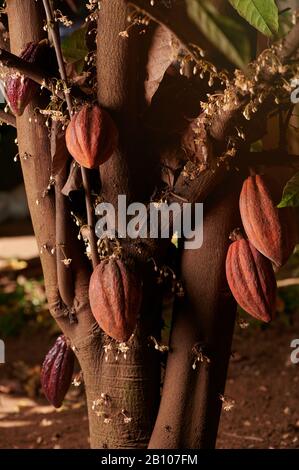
(262, 381)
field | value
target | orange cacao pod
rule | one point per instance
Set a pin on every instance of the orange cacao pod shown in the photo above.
(269, 229)
(115, 296)
(251, 279)
(21, 90)
(57, 371)
(91, 136)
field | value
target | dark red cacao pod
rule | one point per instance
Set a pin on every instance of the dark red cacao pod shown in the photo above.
(21, 90)
(57, 371)
(251, 279)
(271, 230)
(91, 136)
(115, 295)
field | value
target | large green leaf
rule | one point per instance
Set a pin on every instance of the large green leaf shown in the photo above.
(262, 14)
(74, 48)
(223, 32)
(290, 196)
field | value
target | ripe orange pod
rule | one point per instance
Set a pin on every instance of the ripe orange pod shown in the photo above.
(251, 278)
(269, 229)
(115, 295)
(91, 136)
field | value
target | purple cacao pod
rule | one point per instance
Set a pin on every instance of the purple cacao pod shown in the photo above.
(19, 89)
(57, 371)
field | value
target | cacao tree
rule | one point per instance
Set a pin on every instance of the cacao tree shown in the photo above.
(170, 105)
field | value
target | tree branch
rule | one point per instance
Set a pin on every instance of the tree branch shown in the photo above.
(223, 122)
(8, 118)
(202, 185)
(32, 71)
(263, 75)
(85, 174)
(35, 73)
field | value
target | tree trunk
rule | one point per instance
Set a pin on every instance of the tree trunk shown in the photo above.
(190, 406)
(130, 385)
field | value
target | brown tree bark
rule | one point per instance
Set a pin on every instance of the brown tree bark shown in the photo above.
(133, 384)
(190, 406)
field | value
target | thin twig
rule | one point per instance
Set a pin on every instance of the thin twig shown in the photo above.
(68, 98)
(57, 46)
(7, 118)
(288, 282)
(246, 438)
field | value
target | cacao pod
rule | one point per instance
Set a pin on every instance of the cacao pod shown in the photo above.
(19, 89)
(91, 136)
(271, 230)
(57, 371)
(251, 279)
(115, 296)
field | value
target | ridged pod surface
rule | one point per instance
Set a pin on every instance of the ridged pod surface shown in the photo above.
(21, 90)
(271, 230)
(251, 279)
(91, 136)
(57, 371)
(115, 295)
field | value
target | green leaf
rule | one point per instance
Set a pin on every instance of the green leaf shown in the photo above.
(290, 197)
(74, 48)
(223, 32)
(256, 146)
(261, 14)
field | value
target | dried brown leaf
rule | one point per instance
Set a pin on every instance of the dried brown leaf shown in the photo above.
(163, 51)
(59, 151)
(74, 181)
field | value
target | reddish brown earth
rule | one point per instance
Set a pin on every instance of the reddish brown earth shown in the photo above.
(262, 381)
